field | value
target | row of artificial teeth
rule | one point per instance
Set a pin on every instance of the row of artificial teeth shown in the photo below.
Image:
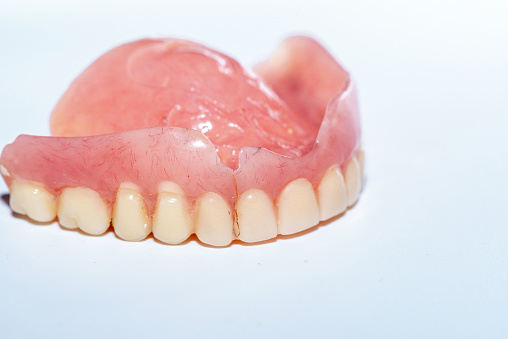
(255, 218)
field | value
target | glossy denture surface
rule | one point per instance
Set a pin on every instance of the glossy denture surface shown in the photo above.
(171, 82)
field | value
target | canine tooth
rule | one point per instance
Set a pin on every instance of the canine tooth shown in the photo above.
(331, 192)
(255, 216)
(82, 207)
(353, 181)
(171, 221)
(33, 200)
(297, 207)
(130, 216)
(214, 220)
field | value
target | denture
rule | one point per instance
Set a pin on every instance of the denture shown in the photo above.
(170, 137)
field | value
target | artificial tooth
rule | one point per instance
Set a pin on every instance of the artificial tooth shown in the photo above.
(255, 216)
(171, 221)
(32, 199)
(331, 192)
(84, 208)
(214, 220)
(130, 215)
(353, 180)
(360, 156)
(297, 207)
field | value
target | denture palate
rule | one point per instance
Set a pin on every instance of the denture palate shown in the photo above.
(255, 217)
(181, 140)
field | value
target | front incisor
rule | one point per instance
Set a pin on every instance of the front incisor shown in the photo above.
(352, 176)
(331, 192)
(297, 207)
(214, 220)
(171, 221)
(130, 215)
(33, 200)
(255, 216)
(82, 207)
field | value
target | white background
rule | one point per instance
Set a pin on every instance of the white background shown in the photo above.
(423, 254)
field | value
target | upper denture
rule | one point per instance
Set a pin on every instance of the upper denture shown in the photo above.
(231, 136)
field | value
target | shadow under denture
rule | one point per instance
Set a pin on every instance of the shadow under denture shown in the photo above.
(5, 198)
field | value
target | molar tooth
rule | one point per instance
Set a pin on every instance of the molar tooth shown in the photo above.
(297, 207)
(82, 207)
(255, 216)
(353, 180)
(130, 216)
(171, 221)
(32, 199)
(361, 160)
(214, 220)
(331, 193)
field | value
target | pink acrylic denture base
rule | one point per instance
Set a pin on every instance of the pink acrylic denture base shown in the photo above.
(147, 157)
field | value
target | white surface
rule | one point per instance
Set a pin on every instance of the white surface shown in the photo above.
(423, 254)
